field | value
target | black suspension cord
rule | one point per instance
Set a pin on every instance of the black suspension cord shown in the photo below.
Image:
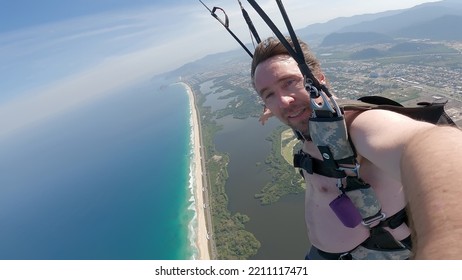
(312, 85)
(249, 23)
(275, 30)
(226, 25)
(298, 49)
(293, 36)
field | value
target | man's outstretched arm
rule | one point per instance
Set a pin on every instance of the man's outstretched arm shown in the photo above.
(431, 173)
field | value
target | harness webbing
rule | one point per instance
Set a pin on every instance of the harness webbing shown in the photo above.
(424, 111)
(429, 112)
(314, 165)
(379, 238)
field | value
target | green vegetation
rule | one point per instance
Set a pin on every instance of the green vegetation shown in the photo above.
(288, 144)
(243, 105)
(231, 239)
(285, 179)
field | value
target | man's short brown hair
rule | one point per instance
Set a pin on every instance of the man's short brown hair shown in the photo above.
(272, 47)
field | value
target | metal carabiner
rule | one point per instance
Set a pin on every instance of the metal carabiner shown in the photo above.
(212, 12)
(326, 101)
(354, 169)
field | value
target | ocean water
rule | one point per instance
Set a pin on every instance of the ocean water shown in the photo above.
(108, 180)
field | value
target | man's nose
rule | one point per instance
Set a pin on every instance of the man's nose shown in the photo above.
(285, 100)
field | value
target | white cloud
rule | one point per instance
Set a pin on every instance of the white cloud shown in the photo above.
(112, 74)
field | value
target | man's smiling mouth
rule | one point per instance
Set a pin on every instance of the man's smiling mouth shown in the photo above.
(296, 113)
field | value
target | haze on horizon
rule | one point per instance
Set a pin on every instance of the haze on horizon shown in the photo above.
(55, 56)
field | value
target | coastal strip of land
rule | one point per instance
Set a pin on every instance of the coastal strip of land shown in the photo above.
(200, 189)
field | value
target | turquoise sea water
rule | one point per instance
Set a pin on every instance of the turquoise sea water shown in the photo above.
(109, 180)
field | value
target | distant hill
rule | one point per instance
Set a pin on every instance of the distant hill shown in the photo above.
(410, 47)
(401, 49)
(320, 30)
(446, 27)
(350, 38)
(367, 53)
(438, 20)
(415, 16)
(203, 64)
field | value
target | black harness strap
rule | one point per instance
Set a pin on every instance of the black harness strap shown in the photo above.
(312, 165)
(379, 239)
(396, 220)
(424, 111)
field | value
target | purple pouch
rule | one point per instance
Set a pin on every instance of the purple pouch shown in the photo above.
(346, 211)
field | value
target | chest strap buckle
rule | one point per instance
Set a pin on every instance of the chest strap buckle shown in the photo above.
(369, 221)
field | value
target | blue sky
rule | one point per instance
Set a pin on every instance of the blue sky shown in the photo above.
(55, 55)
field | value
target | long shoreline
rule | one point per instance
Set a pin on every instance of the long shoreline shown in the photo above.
(199, 188)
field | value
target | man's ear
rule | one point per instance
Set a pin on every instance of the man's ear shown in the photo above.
(322, 78)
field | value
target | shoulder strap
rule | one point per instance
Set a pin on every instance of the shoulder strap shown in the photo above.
(312, 165)
(379, 100)
(424, 111)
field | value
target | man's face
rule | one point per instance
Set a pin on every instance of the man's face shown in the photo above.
(280, 85)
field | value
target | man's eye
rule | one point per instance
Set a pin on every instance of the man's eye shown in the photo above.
(268, 95)
(290, 83)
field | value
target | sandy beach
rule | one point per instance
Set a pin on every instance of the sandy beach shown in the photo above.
(199, 186)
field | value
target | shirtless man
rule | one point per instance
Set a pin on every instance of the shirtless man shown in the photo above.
(379, 137)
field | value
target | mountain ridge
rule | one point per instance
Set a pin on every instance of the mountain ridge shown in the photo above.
(434, 21)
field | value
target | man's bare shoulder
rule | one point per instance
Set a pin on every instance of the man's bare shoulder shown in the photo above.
(377, 117)
(379, 122)
(381, 135)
